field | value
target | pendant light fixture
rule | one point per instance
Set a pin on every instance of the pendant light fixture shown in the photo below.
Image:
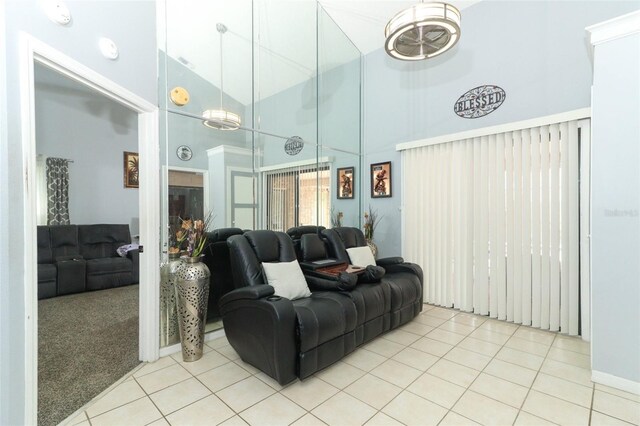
(221, 119)
(422, 31)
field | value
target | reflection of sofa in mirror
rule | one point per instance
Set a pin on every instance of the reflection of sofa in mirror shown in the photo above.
(295, 338)
(77, 258)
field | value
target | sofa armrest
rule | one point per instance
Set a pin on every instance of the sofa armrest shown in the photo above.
(134, 255)
(389, 261)
(412, 268)
(262, 330)
(344, 281)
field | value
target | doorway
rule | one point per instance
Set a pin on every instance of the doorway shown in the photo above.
(36, 52)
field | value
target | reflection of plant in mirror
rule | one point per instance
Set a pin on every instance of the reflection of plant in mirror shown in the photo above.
(371, 221)
(336, 219)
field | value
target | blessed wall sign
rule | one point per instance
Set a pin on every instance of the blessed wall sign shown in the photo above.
(479, 101)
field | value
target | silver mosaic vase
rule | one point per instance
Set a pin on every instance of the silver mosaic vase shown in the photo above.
(192, 291)
(169, 333)
(373, 247)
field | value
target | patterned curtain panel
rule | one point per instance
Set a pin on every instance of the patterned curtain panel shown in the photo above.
(57, 191)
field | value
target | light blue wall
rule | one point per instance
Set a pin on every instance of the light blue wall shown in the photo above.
(615, 177)
(94, 132)
(536, 51)
(132, 26)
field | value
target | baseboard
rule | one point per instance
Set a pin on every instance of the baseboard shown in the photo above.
(615, 382)
(170, 350)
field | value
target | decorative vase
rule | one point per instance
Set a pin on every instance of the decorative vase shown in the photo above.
(373, 247)
(192, 290)
(169, 333)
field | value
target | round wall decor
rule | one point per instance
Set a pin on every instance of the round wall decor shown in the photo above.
(184, 153)
(179, 96)
(294, 145)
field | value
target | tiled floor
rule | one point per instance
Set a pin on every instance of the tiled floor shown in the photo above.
(445, 368)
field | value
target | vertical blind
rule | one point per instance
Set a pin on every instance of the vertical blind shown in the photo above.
(496, 221)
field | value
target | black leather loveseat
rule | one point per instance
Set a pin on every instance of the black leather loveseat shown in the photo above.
(296, 338)
(77, 258)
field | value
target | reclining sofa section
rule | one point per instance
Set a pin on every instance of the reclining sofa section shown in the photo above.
(296, 338)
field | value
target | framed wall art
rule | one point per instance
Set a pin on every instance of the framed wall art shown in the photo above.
(131, 169)
(381, 180)
(346, 183)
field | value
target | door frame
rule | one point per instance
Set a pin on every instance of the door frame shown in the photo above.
(34, 51)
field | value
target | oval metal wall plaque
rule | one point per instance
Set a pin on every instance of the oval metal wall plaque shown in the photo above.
(294, 145)
(479, 101)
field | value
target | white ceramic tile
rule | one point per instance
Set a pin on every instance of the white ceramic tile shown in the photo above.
(555, 410)
(82, 417)
(442, 313)
(159, 422)
(245, 393)
(469, 319)
(538, 336)
(490, 336)
(500, 390)
(250, 368)
(164, 378)
(234, 421)
(83, 423)
(455, 419)
(618, 392)
(309, 393)
(218, 343)
(340, 374)
(122, 394)
(411, 410)
(207, 411)
(615, 406)
(581, 376)
(436, 390)
(397, 373)
(139, 412)
(445, 336)
(364, 359)
(270, 381)
(523, 359)
(454, 373)
(563, 389)
(479, 346)
(484, 410)
(210, 360)
(229, 352)
(527, 346)
(575, 344)
(499, 326)
(526, 419)
(343, 409)
(415, 358)
(432, 347)
(223, 376)
(599, 419)
(401, 337)
(154, 366)
(570, 357)
(373, 391)
(384, 347)
(425, 319)
(456, 327)
(381, 419)
(416, 328)
(467, 358)
(179, 395)
(275, 410)
(308, 420)
(511, 372)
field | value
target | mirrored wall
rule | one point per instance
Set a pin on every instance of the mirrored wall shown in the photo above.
(294, 79)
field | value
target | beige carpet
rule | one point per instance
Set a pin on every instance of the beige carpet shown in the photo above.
(86, 342)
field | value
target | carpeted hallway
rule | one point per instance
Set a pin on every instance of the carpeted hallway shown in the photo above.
(86, 342)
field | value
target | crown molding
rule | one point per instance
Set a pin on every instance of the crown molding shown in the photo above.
(615, 28)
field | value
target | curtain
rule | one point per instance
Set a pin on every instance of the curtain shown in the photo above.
(495, 223)
(41, 190)
(57, 191)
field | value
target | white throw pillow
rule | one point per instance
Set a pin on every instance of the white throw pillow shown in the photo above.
(361, 256)
(287, 279)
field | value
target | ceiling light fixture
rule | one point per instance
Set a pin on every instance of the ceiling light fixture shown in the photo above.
(422, 31)
(221, 119)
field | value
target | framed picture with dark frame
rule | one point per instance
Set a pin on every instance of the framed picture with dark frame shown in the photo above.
(381, 180)
(131, 171)
(346, 183)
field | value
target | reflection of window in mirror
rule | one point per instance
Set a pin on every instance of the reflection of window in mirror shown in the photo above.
(186, 196)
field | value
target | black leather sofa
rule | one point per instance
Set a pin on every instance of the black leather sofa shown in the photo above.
(287, 339)
(77, 258)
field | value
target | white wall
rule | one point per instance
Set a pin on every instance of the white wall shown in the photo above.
(615, 242)
(74, 123)
(132, 26)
